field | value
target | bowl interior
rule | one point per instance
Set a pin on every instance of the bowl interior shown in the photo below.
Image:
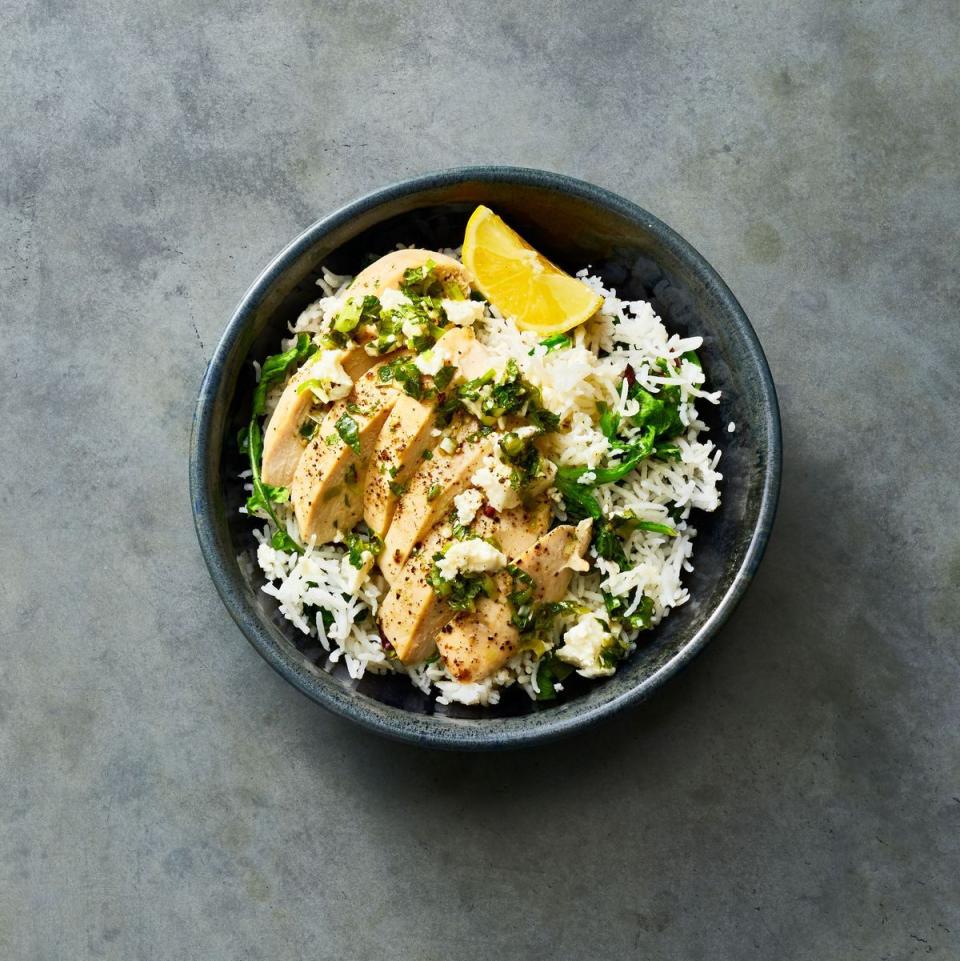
(638, 257)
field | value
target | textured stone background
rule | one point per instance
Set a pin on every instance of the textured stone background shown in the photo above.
(794, 795)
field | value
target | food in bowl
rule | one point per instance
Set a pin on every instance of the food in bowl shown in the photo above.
(470, 467)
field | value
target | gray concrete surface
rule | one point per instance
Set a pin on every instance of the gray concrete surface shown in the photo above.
(794, 795)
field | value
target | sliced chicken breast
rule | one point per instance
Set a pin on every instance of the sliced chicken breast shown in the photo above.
(408, 432)
(429, 494)
(327, 487)
(411, 613)
(476, 644)
(283, 444)
(387, 272)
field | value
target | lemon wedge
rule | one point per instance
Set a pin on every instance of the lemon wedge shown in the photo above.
(520, 282)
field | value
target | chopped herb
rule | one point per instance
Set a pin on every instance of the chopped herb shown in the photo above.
(462, 592)
(354, 312)
(524, 458)
(520, 598)
(314, 383)
(550, 672)
(427, 455)
(557, 342)
(405, 373)
(442, 378)
(313, 612)
(360, 543)
(420, 281)
(349, 432)
(308, 428)
(640, 620)
(434, 492)
(533, 620)
(398, 490)
(489, 398)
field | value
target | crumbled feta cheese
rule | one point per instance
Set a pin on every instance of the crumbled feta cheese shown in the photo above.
(467, 504)
(463, 313)
(332, 381)
(390, 299)
(470, 556)
(448, 445)
(587, 478)
(429, 362)
(582, 645)
(731, 427)
(493, 478)
(411, 328)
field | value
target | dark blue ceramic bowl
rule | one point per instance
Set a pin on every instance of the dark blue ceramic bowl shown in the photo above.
(575, 224)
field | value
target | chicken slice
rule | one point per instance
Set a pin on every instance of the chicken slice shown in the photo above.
(411, 613)
(408, 432)
(283, 444)
(327, 488)
(387, 272)
(429, 494)
(477, 643)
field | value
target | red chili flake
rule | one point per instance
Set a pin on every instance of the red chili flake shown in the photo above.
(629, 375)
(441, 397)
(489, 511)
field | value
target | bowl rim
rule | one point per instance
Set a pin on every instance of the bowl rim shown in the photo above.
(395, 722)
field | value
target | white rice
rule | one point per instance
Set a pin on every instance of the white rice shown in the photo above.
(572, 381)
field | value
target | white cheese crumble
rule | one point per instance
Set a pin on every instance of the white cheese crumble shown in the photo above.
(462, 313)
(390, 299)
(470, 556)
(582, 645)
(731, 427)
(333, 382)
(412, 328)
(467, 505)
(493, 478)
(429, 362)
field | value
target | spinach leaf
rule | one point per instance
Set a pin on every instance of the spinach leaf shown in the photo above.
(578, 499)
(264, 496)
(275, 368)
(608, 545)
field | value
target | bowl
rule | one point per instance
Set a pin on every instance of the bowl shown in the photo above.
(575, 224)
